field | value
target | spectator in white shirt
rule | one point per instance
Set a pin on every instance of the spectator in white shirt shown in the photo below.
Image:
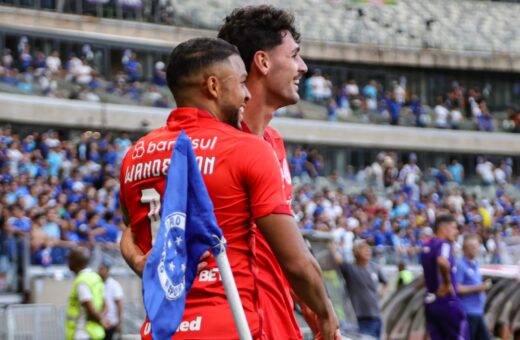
(319, 85)
(53, 62)
(441, 114)
(485, 171)
(113, 300)
(84, 73)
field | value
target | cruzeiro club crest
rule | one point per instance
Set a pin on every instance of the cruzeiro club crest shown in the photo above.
(172, 265)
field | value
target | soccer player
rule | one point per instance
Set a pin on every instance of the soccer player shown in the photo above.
(443, 310)
(207, 80)
(269, 45)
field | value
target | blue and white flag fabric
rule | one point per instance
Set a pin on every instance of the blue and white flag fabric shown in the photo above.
(188, 228)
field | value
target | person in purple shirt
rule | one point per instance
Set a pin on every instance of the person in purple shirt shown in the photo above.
(443, 309)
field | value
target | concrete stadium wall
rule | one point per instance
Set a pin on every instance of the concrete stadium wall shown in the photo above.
(164, 37)
(35, 110)
(56, 292)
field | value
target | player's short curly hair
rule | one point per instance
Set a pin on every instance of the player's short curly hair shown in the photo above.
(194, 56)
(257, 28)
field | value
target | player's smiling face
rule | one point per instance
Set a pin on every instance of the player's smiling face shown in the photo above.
(234, 91)
(286, 70)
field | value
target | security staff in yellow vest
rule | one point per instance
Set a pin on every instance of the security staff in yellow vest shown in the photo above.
(85, 312)
(405, 276)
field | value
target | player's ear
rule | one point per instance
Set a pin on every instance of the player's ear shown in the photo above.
(213, 86)
(262, 62)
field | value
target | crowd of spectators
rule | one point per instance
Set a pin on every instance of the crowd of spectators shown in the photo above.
(372, 102)
(63, 192)
(59, 193)
(76, 77)
(397, 203)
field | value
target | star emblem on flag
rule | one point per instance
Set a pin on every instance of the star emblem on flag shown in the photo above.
(178, 240)
(172, 266)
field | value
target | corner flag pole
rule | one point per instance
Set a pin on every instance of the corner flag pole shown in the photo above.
(232, 295)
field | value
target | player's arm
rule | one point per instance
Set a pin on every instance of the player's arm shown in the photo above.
(133, 255)
(300, 268)
(261, 174)
(446, 287)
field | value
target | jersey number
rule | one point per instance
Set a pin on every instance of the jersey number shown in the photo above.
(153, 199)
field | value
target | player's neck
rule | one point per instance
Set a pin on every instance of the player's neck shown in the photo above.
(259, 110)
(258, 115)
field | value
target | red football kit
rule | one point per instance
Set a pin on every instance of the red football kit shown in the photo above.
(276, 300)
(244, 183)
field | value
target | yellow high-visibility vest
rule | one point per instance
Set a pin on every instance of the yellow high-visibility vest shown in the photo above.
(97, 288)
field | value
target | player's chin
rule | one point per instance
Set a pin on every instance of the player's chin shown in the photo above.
(292, 98)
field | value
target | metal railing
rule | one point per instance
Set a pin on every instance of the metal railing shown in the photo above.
(36, 322)
(14, 263)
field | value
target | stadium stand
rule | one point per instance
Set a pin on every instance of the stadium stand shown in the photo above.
(59, 186)
(466, 25)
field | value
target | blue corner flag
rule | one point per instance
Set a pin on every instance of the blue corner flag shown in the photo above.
(188, 228)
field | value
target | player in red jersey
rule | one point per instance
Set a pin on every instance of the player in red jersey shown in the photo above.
(207, 78)
(269, 45)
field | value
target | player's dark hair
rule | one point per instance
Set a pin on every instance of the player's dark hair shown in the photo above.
(442, 220)
(257, 28)
(193, 56)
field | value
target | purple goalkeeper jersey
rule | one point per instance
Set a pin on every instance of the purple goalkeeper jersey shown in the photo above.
(429, 253)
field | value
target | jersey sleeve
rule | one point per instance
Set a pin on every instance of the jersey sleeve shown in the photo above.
(445, 250)
(263, 179)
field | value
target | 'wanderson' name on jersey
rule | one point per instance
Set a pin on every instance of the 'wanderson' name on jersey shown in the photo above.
(142, 170)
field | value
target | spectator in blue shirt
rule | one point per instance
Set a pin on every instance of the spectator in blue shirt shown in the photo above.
(456, 170)
(297, 162)
(471, 288)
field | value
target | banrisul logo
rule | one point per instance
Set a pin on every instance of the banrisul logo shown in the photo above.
(172, 266)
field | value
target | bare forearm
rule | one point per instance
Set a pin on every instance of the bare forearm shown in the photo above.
(465, 289)
(300, 268)
(308, 285)
(131, 252)
(119, 304)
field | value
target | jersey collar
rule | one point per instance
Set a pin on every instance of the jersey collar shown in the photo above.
(187, 113)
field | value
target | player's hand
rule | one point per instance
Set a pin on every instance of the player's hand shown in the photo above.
(445, 290)
(329, 326)
(139, 261)
(202, 264)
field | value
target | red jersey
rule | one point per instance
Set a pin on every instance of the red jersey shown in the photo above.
(275, 294)
(242, 178)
